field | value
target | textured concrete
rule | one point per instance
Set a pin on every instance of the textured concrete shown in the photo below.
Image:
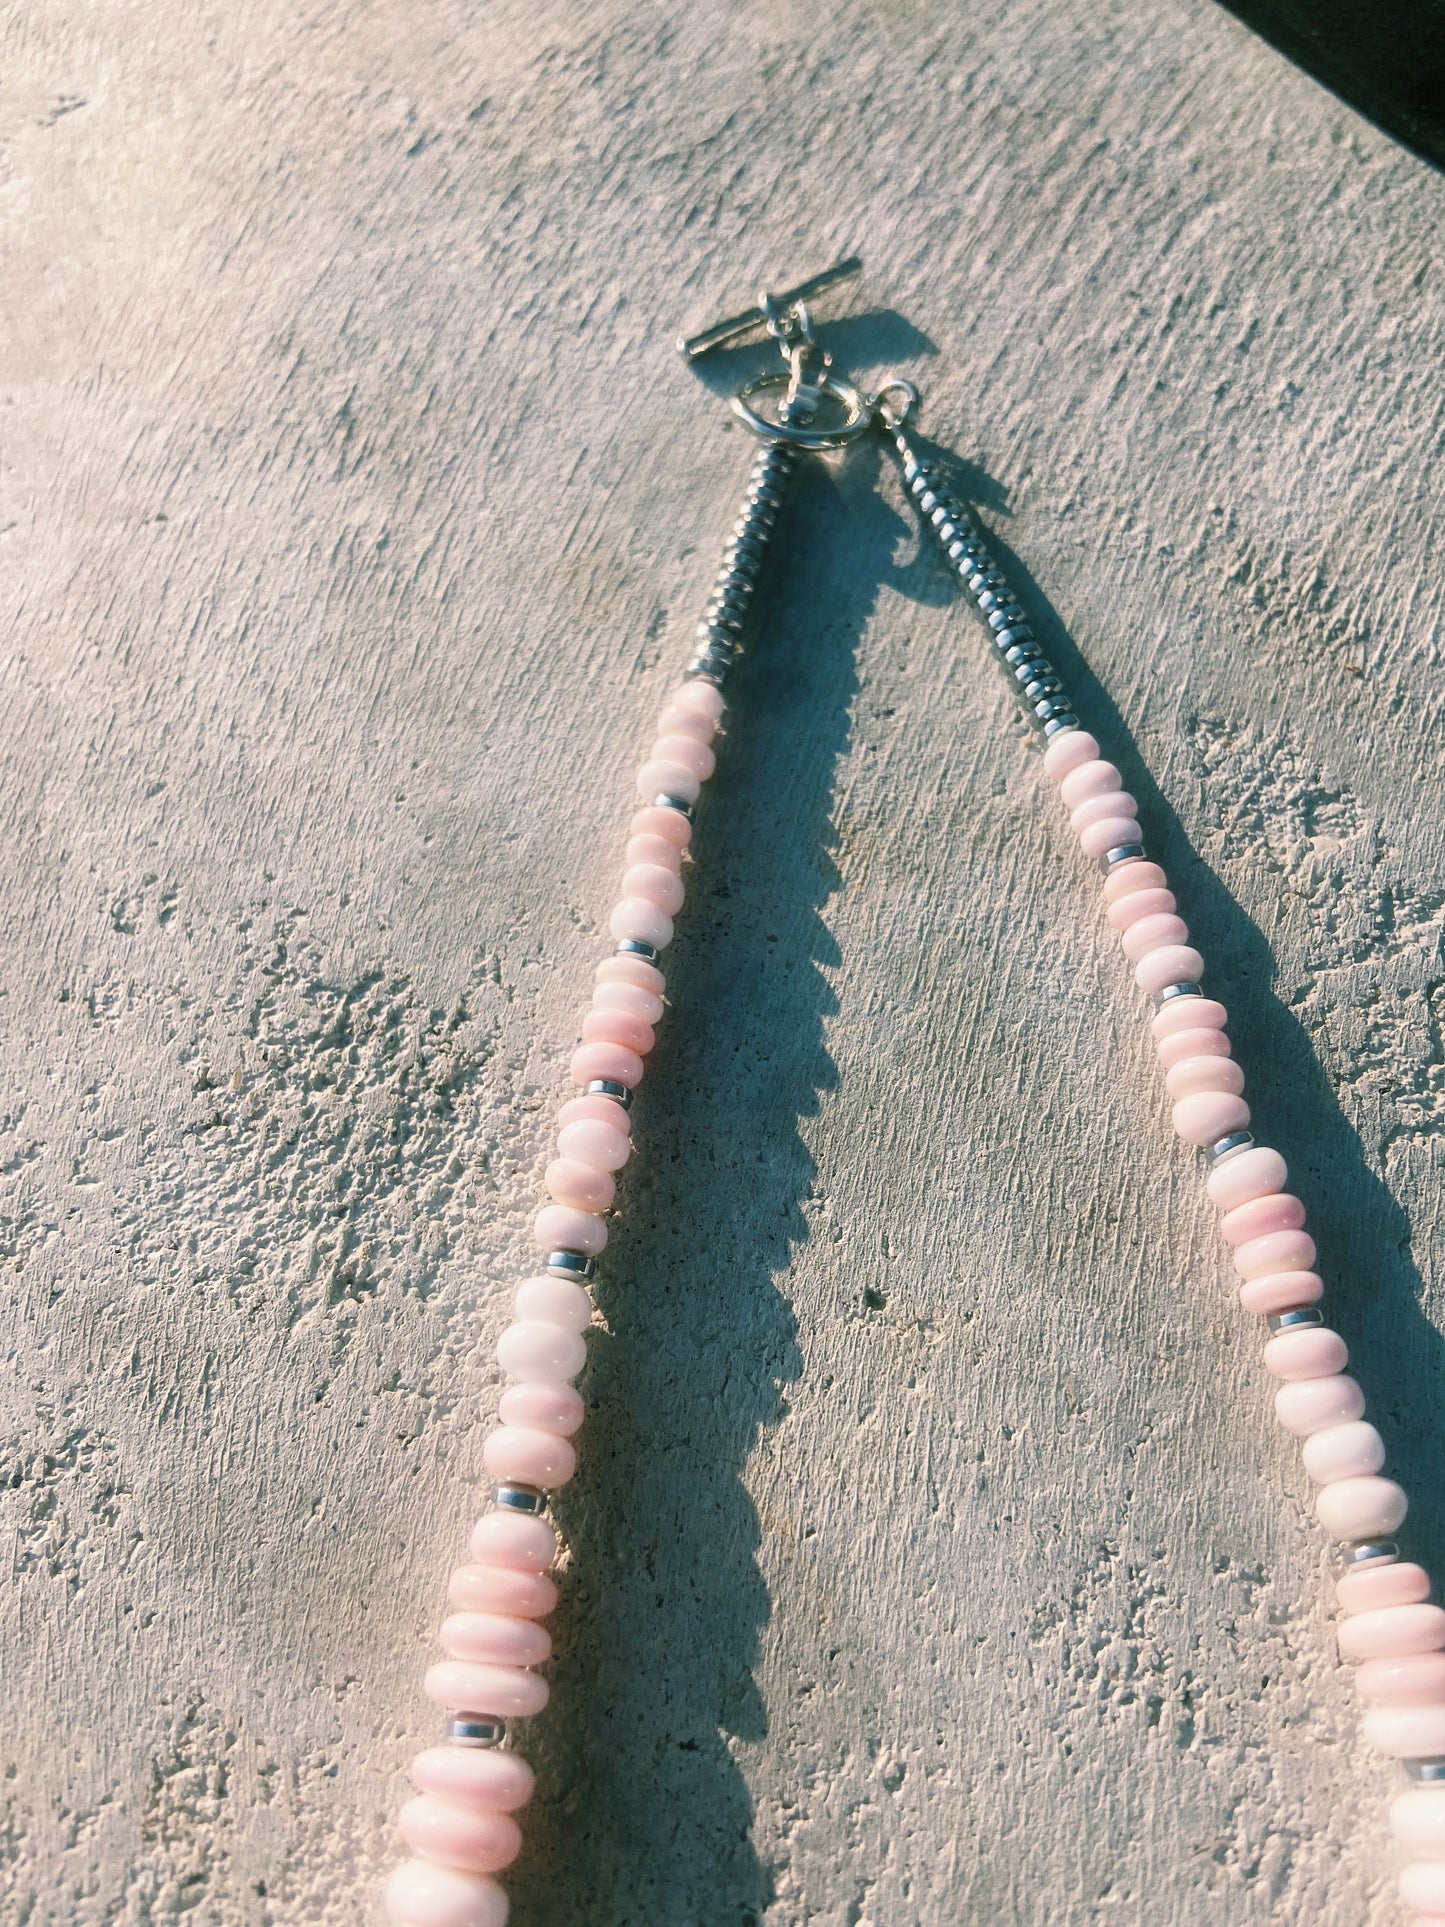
(936, 1560)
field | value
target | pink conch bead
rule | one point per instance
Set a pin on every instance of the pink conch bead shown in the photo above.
(1255, 1173)
(628, 969)
(1195, 1074)
(1280, 1291)
(1310, 1351)
(653, 849)
(457, 1836)
(1131, 878)
(658, 778)
(1191, 1043)
(656, 884)
(531, 1351)
(1140, 903)
(501, 1589)
(689, 752)
(1279, 1211)
(1108, 834)
(1068, 751)
(536, 1401)
(1209, 1115)
(1414, 1679)
(1387, 1632)
(506, 1692)
(549, 1300)
(594, 1107)
(1096, 778)
(1348, 1451)
(1275, 1251)
(595, 1143)
(421, 1894)
(638, 920)
(631, 998)
(612, 1061)
(1417, 1820)
(604, 1026)
(561, 1227)
(1399, 1583)
(494, 1781)
(1310, 1404)
(1362, 1508)
(703, 697)
(673, 720)
(1152, 933)
(577, 1184)
(1409, 1733)
(1094, 809)
(657, 820)
(1174, 963)
(1422, 1883)
(513, 1540)
(495, 1639)
(497, 1782)
(1185, 1013)
(526, 1455)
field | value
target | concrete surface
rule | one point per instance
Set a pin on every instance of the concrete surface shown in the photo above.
(935, 1558)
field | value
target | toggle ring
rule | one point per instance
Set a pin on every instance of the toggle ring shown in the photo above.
(859, 416)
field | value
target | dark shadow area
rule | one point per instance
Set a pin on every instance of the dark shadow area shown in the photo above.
(1384, 58)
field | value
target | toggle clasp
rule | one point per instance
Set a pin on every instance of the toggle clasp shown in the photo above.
(769, 310)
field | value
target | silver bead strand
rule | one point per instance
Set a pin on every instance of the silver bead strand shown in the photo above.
(719, 634)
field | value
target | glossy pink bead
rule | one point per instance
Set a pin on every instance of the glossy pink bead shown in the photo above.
(506, 1692)
(589, 1141)
(655, 819)
(1417, 1820)
(1191, 1043)
(1255, 1173)
(502, 1589)
(1278, 1212)
(1407, 1733)
(1362, 1508)
(1349, 1451)
(1422, 1883)
(1275, 1251)
(606, 1026)
(1280, 1291)
(495, 1639)
(535, 1353)
(656, 884)
(458, 1836)
(630, 998)
(627, 969)
(1400, 1583)
(514, 1541)
(674, 721)
(1209, 1115)
(1096, 778)
(497, 1782)
(1140, 903)
(1068, 751)
(1152, 933)
(553, 1406)
(550, 1300)
(1094, 809)
(1387, 1632)
(1414, 1679)
(526, 1455)
(1313, 1352)
(653, 849)
(594, 1107)
(693, 756)
(561, 1227)
(1195, 1074)
(422, 1894)
(1130, 879)
(1310, 1404)
(1110, 833)
(638, 920)
(1188, 1013)
(614, 1061)
(1172, 963)
(581, 1185)
(659, 778)
(704, 698)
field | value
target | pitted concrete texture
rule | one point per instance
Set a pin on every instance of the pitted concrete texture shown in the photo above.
(935, 1561)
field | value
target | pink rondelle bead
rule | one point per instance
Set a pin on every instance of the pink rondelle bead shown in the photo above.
(1131, 878)
(1152, 933)
(1313, 1351)
(1096, 778)
(561, 1227)
(513, 1540)
(594, 1108)
(656, 819)
(495, 1639)
(1140, 903)
(526, 1455)
(1172, 963)
(1188, 1013)
(1414, 1679)
(613, 1061)
(1361, 1508)
(550, 1300)
(1183, 1044)
(1255, 1173)
(506, 1692)
(601, 1145)
(1195, 1074)
(687, 751)
(531, 1351)
(632, 999)
(1275, 1251)
(659, 778)
(421, 1894)
(497, 1782)
(1110, 833)
(1408, 1733)
(1280, 1291)
(580, 1185)
(1400, 1583)
(653, 849)
(604, 1026)
(1280, 1211)
(1094, 809)
(502, 1589)
(1389, 1632)
(550, 1406)
(636, 920)
(703, 697)
(656, 885)
(1310, 1404)
(457, 1836)
(1422, 1883)
(673, 721)
(624, 968)
(1209, 1115)
(1417, 1820)
(1068, 751)
(1349, 1451)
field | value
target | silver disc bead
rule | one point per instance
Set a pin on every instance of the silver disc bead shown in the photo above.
(1056, 725)
(609, 1087)
(662, 801)
(1225, 1147)
(520, 1498)
(1121, 854)
(1294, 1319)
(575, 1265)
(1426, 1772)
(1371, 1552)
(475, 1729)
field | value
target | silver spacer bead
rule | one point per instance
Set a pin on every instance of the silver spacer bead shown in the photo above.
(475, 1729)
(1371, 1552)
(520, 1498)
(1288, 1321)
(1121, 854)
(637, 947)
(1009, 617)
(1045, 711)
(1006, 638)
(609, 1087)
(1427, 1772)
(1171, 991)
(1225, 1147)
(711, 672)
(569, 1264)
(666, 802)
(1056, 725)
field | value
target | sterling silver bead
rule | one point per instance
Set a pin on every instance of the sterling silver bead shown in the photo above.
(663, 801)
(1288, 1321)
(1056, 725)
(1225, 1147)
(609, 1087)
(520, 1498)
(575, 1265)
(1121, 854)
(1371, 1552)
(1170, 991)
(1427, 1772)
(637, 946)
(475, 1729)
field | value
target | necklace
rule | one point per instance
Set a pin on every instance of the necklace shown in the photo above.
(460, 1826)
